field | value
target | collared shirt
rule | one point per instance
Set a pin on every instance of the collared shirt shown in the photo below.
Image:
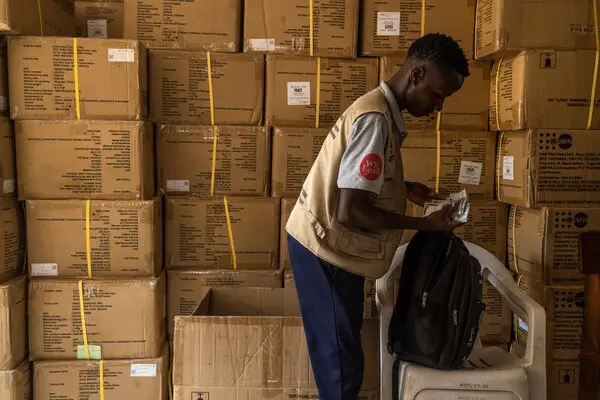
(362, 162)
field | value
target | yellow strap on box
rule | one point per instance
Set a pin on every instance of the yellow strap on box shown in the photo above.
(499, 167)
(423, 8)
(596, 62)
(476, 19)
(101, 366)
(230, 231)
(497, 85)
(213, 168)
(514, 241)
(312, 27)
(76, 78)
(83, 327)
(170, 381)
(318, 105)
(516, 326)
(438, 166)
(88, 243)
(211, 97)
(41, 17)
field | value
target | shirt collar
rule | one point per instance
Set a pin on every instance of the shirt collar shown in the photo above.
(393, 104)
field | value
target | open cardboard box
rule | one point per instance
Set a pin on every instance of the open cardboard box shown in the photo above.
(249, 343)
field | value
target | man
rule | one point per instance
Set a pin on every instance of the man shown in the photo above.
(348, 220)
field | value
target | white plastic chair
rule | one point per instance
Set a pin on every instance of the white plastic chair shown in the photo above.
(490, 373)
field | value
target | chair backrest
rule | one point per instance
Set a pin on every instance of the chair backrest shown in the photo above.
(534, 361)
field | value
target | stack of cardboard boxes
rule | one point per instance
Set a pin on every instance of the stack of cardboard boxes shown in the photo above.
(15, 374)
(18, 17)
(544, 103)
(237, 133)
(85, 156)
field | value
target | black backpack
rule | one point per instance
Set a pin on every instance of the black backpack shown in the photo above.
(439, 306)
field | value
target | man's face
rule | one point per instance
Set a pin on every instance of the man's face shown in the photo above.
(429, 87)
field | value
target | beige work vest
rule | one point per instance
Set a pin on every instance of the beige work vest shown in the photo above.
(313, 221)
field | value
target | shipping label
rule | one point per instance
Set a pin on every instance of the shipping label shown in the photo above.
(388, 24)
(298, 93)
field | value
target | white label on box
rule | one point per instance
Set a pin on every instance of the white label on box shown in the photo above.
(470, 173)
(508, 168)
(3, 103)
(9, 186)
(121, 55)
(523, 325)
(388, 24)
(178, 185)
(143, 370)
(298, 93)
(44, 269)
(262, 44)
(97, 28)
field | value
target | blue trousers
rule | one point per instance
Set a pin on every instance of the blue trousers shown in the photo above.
(331, 303)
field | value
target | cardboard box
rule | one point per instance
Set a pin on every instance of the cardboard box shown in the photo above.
(16, 384)
(13, 323)
(197, 233)
(8, 173)
(3, 78)
(294, 84)
(504, 27)
(125, 318)
(467, 161)
(112, 79)
(185, 159)
(550, 168)
(273, 26)
(370, 307)
(487, 226)
(533, 286)
(100, 18)
(539, 90)
(12, 240)
(294, 152)
(496, 324)
(145, 378)
(239, 322)
(125, 238)
(187, 24)
(287, 205)
(564, 320)
(187, 288)
(30, 17)
(391, 26)
(547, 242)
(465, 109)
(180, 90)
(85, 159)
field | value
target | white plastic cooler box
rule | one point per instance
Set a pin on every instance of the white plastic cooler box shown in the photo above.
(489, 373)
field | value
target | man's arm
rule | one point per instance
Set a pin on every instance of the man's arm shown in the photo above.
(356, 209)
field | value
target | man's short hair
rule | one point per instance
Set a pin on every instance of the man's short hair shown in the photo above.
(441, 50)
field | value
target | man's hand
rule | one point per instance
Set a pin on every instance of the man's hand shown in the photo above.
(419, 193)
(441, 221)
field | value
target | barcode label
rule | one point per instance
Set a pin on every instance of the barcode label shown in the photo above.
(388, 24)
(121, 55)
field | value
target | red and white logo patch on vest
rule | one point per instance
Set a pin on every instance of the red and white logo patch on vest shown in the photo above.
(371, 167)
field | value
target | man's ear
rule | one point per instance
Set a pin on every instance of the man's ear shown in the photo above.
(417, 75)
